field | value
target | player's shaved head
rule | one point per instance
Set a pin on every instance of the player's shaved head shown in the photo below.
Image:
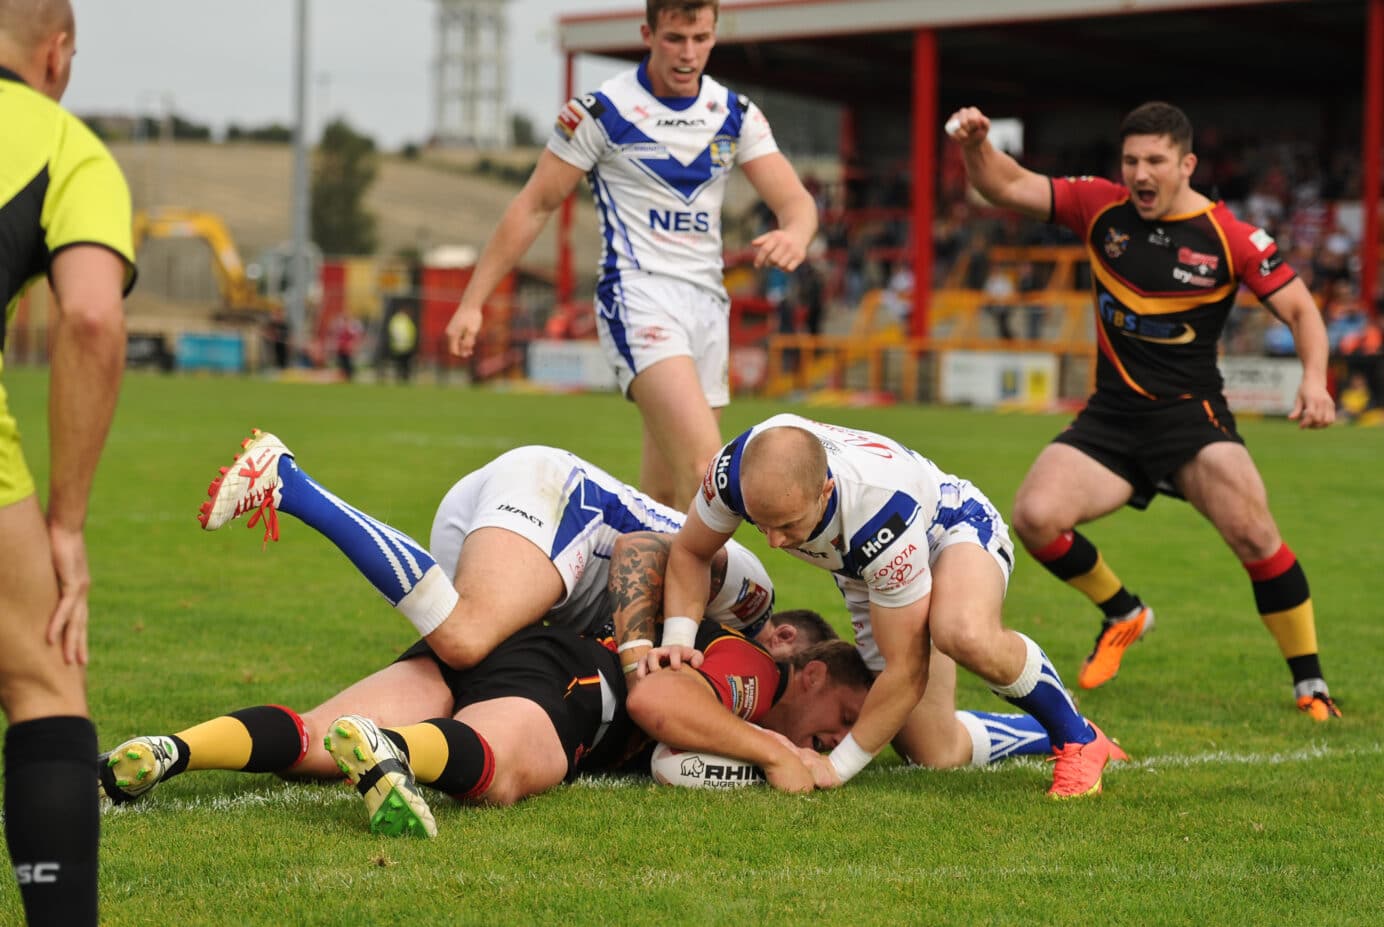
(781, 460)
(24, 24)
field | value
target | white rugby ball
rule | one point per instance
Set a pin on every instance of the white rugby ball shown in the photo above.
(695, 769)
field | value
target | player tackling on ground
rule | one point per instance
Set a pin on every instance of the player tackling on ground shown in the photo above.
(923, 561)
(1166, 265)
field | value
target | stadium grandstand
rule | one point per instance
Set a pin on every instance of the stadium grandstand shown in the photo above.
(1287, 99)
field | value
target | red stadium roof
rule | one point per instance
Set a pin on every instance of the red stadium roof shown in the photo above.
(1050, 52)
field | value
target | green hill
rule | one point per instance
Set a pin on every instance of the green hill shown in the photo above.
(420, 203)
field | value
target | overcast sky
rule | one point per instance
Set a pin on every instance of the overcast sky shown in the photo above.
(224, 61)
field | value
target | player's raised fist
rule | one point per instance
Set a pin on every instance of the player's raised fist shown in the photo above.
(968, 126)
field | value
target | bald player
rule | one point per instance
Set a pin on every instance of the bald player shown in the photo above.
(923, 560)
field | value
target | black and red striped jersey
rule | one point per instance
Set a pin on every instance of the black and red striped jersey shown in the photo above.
(1164, 288)
(743, 675)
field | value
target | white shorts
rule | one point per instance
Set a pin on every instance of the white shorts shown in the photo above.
(573, 511)
(643, 319)
(972, 519)
(965, 516)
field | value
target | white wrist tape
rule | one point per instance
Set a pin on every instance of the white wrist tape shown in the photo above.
(679, 631)
(849, 758)
(637, 642)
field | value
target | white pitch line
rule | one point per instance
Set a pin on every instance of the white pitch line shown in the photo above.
(1183, 761)
(313, 795)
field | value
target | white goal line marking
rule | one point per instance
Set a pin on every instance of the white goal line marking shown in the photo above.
(320, 795)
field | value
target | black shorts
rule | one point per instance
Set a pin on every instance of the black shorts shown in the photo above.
(562, 673)
(1148, 446)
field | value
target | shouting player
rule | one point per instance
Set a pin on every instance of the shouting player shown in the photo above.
(1166, 266)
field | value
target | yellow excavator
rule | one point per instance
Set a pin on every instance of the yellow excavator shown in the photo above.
(240, 295)
(184, 315)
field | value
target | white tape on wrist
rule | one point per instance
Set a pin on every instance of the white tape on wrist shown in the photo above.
(953, 126)
(631, 645)
(679, 631)
(849, 758)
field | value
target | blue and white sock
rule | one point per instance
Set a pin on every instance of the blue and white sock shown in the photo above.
(397, 565)
(996, 736)
(1039, 692)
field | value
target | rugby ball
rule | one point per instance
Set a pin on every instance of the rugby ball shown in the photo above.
(695, 769)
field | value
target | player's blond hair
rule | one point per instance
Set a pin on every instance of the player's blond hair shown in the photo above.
(26, 23)
(687, 9)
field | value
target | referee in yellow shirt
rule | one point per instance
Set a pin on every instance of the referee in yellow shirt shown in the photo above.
(64, 213)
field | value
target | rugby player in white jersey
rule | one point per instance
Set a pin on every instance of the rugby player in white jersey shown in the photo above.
(526, 538)
(656, 144)
(923, 560)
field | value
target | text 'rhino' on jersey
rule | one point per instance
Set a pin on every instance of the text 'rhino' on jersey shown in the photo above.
(657, 169)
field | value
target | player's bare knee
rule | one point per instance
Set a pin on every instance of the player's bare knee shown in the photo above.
(504, 791)
(38, 690)
(1035, 521)
(939, 756)
(459, 651)
(969, 643)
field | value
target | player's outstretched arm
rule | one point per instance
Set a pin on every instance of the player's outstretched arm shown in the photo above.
(679, 708)
(901, 634)
(995, 175)
(88, 361)
(778, 185)
(552, 181)
(1314, 407)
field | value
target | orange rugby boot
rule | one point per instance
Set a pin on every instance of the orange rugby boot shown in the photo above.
(1319, 706)
(1115, 635)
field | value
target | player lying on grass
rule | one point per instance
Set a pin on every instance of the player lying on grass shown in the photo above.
(275, 739)
(524, 539)
(529, 537)
(544, 706)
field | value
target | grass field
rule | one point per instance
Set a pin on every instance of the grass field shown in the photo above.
(1235, 810)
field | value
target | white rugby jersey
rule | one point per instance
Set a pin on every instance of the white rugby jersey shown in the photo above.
(657, 169)
(574, 511)
(887, 518)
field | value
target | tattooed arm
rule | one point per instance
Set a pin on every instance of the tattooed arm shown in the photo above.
(637, 562)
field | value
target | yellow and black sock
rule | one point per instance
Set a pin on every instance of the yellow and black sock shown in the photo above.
(265, 738)
(1075, 560)
(1285, 606)
(448, 755)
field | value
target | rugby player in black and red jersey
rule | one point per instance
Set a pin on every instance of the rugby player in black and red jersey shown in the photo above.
(1166, 265)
